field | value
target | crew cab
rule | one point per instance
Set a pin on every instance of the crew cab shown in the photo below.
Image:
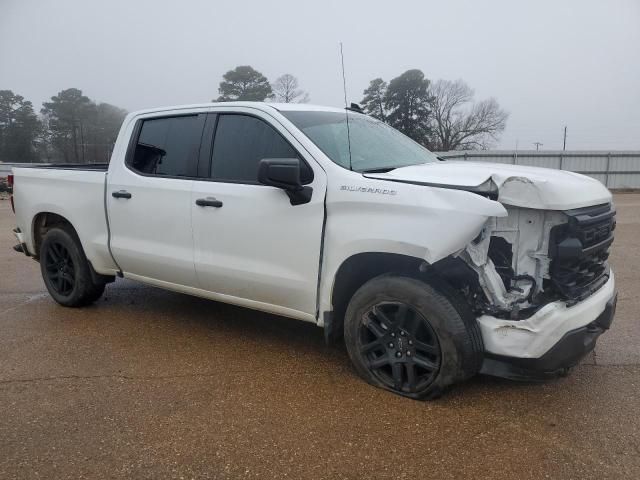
(431, 270)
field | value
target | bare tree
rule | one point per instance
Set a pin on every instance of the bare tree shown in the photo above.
(460, 124)
(286, 90)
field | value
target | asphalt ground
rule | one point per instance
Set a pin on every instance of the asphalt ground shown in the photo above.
(153, 384)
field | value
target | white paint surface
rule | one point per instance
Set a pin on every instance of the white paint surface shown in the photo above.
(518, 185)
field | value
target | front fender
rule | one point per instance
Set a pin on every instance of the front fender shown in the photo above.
(418, 221)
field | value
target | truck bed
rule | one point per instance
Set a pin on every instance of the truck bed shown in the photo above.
(75, 192)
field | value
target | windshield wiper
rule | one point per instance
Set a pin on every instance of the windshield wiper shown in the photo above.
(378, 170)
(389, 168)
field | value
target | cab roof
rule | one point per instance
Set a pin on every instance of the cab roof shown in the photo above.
(264, 106)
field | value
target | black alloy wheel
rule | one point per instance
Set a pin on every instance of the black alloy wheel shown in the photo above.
(411, 337)
(60, 269)
(400, 347)
(66, 272)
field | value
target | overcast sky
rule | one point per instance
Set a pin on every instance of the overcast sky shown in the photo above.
(548, 63)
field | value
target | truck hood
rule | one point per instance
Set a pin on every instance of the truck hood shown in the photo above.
(517, 185)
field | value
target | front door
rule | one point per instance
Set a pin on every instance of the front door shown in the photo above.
(251, 244)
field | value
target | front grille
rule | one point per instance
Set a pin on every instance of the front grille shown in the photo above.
(579, 250)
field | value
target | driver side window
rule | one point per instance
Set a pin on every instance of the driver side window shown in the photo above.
(241, 141)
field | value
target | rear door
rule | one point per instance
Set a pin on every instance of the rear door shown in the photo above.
(149, 200)
(251, 244)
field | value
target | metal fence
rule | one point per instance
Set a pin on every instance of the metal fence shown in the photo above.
(616, 169)
(5, 169)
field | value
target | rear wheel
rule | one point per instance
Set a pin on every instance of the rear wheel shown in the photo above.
(65, 269)
(405, 336)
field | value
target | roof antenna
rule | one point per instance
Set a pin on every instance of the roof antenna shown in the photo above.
(346, 106)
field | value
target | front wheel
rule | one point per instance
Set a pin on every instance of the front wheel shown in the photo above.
(65, 269)
(405, 336)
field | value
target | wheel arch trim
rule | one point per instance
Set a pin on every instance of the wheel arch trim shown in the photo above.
(353, 272)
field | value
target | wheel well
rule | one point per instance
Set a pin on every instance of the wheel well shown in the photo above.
(359, 269)
(42, 223)
(45, 221)
(450, 275)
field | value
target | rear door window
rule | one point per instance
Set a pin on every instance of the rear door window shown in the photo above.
(168, 146)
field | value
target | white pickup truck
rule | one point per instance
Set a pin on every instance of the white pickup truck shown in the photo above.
(432, 270)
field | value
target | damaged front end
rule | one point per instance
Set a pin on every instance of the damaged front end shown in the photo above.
(538, 281)
(533, 257)
(511, 259)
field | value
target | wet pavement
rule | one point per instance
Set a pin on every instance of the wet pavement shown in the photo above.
(153, 384)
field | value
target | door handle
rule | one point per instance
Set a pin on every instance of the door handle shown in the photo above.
(208, 202)
(121, 194)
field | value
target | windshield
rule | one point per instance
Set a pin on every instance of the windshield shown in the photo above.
(374, 144)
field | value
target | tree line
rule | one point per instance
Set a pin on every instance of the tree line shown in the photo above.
(244, 83)
(441, 115)
(71, 128)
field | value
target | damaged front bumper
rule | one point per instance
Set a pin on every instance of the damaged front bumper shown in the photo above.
(555, 338)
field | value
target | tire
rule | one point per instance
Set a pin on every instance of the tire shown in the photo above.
(406, 336)
(65, 269)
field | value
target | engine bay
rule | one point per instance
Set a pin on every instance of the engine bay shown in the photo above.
(531, 257)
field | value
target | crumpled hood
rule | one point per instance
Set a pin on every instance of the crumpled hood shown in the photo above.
(517, 185)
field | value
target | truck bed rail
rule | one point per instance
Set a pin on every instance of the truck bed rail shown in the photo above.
(100, 167)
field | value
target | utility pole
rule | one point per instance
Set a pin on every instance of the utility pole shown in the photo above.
(82, 141)
(564, 143)
(538, 145)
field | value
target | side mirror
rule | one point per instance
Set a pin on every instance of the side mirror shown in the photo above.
(284, 173)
